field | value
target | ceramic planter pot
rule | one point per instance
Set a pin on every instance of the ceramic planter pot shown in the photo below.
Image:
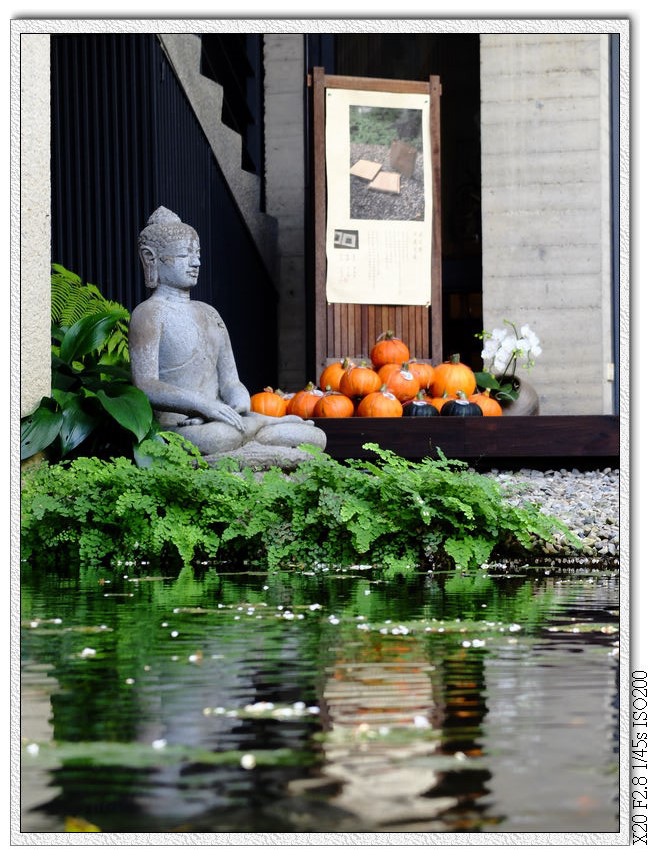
(527, 402)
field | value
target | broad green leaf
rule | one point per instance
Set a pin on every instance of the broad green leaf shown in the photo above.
(498, 390)
(129, 407)
(77, 423)
(88, 334)
(115, 372)
(57, 333)
(39, 430)
(64, 378)
(486, 380)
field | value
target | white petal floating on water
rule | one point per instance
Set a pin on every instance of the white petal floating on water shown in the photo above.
(248, 761)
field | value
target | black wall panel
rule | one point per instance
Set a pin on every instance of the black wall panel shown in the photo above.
(124, 141)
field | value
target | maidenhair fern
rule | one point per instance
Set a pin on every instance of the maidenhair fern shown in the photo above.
(385, 512)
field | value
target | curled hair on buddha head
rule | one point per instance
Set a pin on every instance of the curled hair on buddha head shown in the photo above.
(163, 227)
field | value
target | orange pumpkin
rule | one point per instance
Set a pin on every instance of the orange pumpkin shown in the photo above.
(439, 401)
(334, 404)
(332, 374)
(452, 376)
(302, 403)
(381, 403)
(489, 406)
(359, 381)
(388, 349)
(423, 396)
(399, 380)
(424, 372)
(269, 402)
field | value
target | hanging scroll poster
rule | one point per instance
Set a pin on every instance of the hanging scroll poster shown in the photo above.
(379, 197)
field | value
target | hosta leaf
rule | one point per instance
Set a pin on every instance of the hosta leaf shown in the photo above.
(130, 407)
(39, 430)
(77, 423)
(88, 334)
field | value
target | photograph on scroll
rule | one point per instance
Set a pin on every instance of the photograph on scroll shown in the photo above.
(379, 197)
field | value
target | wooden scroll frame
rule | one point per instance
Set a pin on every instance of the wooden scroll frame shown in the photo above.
(351, 329)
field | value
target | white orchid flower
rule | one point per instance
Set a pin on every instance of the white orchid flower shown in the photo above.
(502, 348)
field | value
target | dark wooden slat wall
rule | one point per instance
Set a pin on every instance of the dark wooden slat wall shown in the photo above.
(124, 141)
(353, 328)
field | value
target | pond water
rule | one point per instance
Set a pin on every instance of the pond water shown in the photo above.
(211, 702)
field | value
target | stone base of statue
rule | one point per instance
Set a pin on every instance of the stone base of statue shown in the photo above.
(266, 441)
(262, 457)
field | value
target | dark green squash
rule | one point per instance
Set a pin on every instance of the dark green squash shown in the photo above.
(461, 407)
(420, 408)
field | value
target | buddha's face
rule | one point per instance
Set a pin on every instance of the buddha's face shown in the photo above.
(179, 263)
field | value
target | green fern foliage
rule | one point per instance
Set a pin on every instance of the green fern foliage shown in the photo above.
(72, 300)
(93, 408)
(385, 512)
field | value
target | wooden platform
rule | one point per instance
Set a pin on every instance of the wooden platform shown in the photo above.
(571, 441)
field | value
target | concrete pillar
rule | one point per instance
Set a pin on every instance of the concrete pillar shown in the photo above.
(545, 142)
(35, 221)
(284, 87)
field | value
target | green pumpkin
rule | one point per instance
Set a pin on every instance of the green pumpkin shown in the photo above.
(461, 408)
(420, 408)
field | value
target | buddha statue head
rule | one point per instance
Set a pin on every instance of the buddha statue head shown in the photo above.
(169, 251)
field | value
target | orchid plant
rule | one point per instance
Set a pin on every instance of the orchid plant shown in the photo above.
(502, 348)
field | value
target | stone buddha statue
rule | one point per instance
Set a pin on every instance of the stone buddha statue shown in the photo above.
(181, 357)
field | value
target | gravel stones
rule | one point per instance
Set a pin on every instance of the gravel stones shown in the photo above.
(588, 502)
(366, 203)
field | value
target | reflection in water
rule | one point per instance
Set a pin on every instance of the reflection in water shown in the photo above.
(275, 703)
(464, 688)
(377, 687)
(551, 717)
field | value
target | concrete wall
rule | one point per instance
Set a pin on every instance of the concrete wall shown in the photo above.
(183, 51)
(546, 214)
(284, 84)
(35, 216)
